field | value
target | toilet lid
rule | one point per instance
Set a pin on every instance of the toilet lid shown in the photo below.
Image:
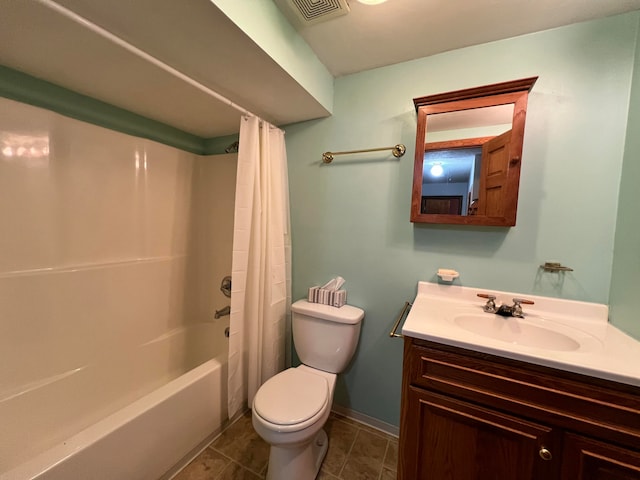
(291, 397)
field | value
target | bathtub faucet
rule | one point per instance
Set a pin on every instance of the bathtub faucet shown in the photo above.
(223, 312)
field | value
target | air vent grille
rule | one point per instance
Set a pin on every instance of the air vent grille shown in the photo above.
(316, 11)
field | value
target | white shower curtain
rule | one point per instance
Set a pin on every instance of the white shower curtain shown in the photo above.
(261, 264)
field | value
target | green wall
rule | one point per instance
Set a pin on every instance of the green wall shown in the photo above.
(351, 218)
(626, 258)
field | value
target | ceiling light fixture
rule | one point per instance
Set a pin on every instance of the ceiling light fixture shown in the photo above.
(372, 2)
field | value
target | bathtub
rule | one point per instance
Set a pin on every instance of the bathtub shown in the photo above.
(152, 436)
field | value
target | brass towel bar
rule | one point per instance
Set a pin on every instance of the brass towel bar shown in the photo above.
(397, 150)
(393, 333)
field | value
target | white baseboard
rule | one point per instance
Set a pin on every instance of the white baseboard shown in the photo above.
(367, 420)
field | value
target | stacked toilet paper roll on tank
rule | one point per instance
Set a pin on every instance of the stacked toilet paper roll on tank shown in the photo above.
(329, 293)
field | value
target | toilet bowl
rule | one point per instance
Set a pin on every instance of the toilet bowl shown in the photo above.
(290, 409)
(289, 412)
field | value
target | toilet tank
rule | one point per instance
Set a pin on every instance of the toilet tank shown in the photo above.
(325, 337)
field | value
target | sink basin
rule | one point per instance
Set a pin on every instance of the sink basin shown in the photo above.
(520, 332)
(558, 333)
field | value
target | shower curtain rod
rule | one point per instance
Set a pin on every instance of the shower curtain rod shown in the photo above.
(140, 53)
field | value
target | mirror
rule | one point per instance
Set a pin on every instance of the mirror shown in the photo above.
(468, 155)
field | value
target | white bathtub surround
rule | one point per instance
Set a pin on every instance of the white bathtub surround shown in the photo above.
(111, 256)
(261, 269)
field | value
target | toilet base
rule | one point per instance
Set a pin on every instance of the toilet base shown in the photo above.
(298, 462)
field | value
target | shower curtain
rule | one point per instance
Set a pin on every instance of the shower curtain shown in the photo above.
(261, 263)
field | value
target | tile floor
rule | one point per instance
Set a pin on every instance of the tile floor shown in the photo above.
(356, 452)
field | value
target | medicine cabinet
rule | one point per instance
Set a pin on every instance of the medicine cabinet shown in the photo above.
(469, 153)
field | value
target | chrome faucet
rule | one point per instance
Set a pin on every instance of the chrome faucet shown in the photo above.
(514, 310)
(490, 306)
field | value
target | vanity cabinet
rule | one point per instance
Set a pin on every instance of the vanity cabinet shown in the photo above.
(587, 459)
(471, 416)
(459, 440)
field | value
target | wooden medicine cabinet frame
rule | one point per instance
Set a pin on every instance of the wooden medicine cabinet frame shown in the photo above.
(503, 208)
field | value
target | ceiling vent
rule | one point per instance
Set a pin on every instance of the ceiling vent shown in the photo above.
(310, 12)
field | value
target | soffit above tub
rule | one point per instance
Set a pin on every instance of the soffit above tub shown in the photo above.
(396, 31)
(192, 36)
(197, 38)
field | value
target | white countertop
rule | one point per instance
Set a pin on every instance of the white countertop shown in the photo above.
(603, 352)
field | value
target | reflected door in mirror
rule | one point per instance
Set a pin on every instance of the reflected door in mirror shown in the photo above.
(493, 181)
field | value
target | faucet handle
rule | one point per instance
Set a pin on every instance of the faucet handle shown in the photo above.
(517, 306)
(490, 306)
(486, 295)
(523, 301)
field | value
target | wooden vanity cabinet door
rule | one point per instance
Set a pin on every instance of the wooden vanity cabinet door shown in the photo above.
(587, 459)
(449, 439)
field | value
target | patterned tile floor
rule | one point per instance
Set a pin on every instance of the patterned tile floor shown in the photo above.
(356, 452)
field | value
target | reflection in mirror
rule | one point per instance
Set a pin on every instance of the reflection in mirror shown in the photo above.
(468, 150)
(452, 168)
(450, 174)
(478, 122)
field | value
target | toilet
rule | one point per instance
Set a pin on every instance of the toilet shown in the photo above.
(290, 409)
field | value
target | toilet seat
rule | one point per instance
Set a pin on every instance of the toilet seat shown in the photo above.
(292, 399)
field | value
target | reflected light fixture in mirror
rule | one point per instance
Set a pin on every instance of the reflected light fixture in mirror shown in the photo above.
(436, 169)
(468, 155)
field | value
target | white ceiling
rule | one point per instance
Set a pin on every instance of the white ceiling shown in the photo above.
(372, 36)
(196, 38)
